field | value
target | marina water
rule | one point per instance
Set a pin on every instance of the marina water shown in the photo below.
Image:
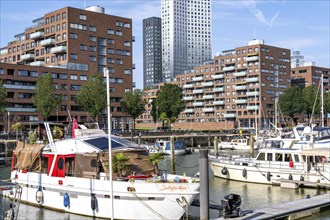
(253, 195)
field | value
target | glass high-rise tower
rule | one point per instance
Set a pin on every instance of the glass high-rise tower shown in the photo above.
(186, 35)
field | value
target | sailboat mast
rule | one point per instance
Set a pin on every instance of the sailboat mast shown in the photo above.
(322, 102)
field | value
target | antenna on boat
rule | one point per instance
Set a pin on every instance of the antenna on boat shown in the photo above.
(322, 102)
(50, 137)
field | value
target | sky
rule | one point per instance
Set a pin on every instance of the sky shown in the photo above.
(291, 24)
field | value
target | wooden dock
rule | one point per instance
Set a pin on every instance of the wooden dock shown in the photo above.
(285, 183)
(289, 210)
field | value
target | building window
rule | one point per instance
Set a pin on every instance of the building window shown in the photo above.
(83, 78)
(127, 25)
(92, 48)
(111, 41)
(119, 23)
(119, 33)
(83, 17)
(52, 19)
(73, 77)
(73, 36)
(119, 62)
(127, 44)
(73, 56)
(127, 71)
(111, 60)
(63, 15)
(92, 58)
(64, 26)
(83, 47)
(92, 28)
(111, 31)
(92, 38)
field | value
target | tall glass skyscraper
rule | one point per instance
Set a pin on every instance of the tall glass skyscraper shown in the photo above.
(186, 35)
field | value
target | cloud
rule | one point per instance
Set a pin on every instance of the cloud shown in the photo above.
(299, 43)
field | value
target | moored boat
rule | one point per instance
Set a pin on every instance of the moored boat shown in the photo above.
(272, 165)
(164, 147)
(72, 175)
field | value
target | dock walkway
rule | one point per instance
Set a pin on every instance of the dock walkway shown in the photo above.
(290, 210)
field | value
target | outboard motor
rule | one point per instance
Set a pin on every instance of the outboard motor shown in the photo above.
(230, 206)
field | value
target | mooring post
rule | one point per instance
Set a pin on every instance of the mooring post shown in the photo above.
(220, 142)
(251, 146)
(216, 147)
(204, 184)
(192, 142)
(172, 155)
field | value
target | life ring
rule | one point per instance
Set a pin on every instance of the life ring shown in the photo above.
(224, 171)
(244, 173)
(268, 176)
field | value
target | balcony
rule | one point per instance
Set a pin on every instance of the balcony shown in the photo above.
(220, 76)
(229, 68)
(252, 79)
(241, 101)
(28, 56)
(199, 78)
(242, 73)
(58, 49)
(219, 102)
(218, 89)
(198, 103)
(37, 35)
(252, 93)
(189, 110)
(47, 42)
(240, 87)
(252, 59)
(37, 63)
(188, 86)
(197, 91)
(12, 109)
(12, 86)
(205, 84)
(208, 96)
(188, 98)
(208, 109)
(230, 115)
(252, 107)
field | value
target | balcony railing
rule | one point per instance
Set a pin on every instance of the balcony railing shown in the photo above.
(220, 76)
(208, 109)
(12, 86)
(37, 63)
(207, 84)
(189, 110)
(218, 89)
(208, 96)
(219, 102)
(58, 49)
(251, 59)
(252, 93)
(12, 109)
(28, 56)
(187, 86)
(37, 35)
(230, 115)
(252, 79)
(242, 73)
(199, 78)
(198, 103)
(47, 42)
(252, 107)
(188, 98)
(241, 101)
(229, 68)
(198, 91)
(240, 87)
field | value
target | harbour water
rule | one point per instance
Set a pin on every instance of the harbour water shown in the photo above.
(253, 195)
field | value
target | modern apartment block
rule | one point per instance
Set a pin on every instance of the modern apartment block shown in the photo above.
(309, 74)
(152, 51)
(297, 59)
(71, 44)
(235, 90)
(186, 35)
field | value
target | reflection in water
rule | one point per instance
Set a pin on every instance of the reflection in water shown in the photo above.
(253, 195)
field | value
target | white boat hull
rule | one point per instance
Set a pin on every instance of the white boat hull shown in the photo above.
(267, 175)
(149, 201)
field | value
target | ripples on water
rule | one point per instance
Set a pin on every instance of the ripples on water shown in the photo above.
(253, 195)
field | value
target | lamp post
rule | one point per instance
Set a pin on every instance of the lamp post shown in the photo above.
(8, 122)
(106, 74)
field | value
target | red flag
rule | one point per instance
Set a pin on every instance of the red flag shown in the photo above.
(74, 126)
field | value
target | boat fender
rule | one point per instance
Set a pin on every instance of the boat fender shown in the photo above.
(290, 176)
(93, 202)
(66, 199)
(244, 173)
(224, 171)
(302, 178)
(39, 196)
(268, 176)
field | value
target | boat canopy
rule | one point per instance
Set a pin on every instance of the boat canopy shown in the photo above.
(101, 143)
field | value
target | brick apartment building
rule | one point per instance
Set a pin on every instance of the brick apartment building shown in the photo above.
(71, 44)
(234, 90)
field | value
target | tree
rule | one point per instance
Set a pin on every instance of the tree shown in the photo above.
(154, 159)
(18, 127)
(3, 95)
(133, 104)
(45, 98)
(92, 96)
(170, 101)
(120, 163)
(327, 102)
(291, 102)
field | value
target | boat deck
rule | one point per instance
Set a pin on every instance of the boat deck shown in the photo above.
(294, 209)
